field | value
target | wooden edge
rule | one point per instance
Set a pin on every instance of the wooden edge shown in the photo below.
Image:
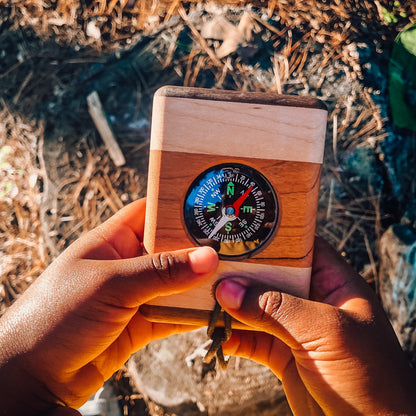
(242, 97)
(171, 315)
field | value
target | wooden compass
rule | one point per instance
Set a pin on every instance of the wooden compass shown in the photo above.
(238, 172)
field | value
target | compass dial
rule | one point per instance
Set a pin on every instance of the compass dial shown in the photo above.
(232, 208)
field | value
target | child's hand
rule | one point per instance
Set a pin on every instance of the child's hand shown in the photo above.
(335, 354)
(79, 321)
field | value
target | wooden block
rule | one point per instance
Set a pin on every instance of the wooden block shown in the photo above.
(281, 137)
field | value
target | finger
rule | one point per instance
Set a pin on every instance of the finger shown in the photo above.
(136, 335)
(293, 320)
(132, 282)
(123, 232)
(132, 216)
(333, 279)
(139, 332)
(300, 400)
(273, 353)
(117, 238)
(263, 348)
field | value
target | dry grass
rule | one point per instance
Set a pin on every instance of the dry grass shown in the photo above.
(54, 190)
(307, 38)
(24, 253)
(117, 20)
(90, 192)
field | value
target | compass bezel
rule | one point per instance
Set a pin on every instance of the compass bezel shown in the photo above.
(257, 176)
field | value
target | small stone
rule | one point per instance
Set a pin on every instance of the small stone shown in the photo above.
(397, 283)
(92, 30)
(161, 371)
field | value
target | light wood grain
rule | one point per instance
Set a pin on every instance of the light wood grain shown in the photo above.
(292, 280)
(238, 129)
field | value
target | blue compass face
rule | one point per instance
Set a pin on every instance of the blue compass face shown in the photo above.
(233, 208)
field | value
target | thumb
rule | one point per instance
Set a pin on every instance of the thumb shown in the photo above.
(293, 320)
(143, 278)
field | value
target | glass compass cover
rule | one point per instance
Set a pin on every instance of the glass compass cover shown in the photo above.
(233, 208)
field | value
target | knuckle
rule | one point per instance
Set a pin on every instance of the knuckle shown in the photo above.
(270, 303)
(164, 266)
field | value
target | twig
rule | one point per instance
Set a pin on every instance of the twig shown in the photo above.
(88, 173)
(370, 256)
(46, 195)
(113, 193)
(276, 73)
(99, 117)
(172, 47)
(331, 197)
(107, 198)
(22, 87)
(350, 232)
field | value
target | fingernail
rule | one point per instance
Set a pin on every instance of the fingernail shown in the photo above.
(203, 260)
(230, 294)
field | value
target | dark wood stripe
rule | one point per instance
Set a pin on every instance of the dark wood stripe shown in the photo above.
(241, 97)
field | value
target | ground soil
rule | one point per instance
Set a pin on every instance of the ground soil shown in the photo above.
(57, 180)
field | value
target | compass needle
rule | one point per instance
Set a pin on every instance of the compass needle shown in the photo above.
(237, 204)
(224, 219)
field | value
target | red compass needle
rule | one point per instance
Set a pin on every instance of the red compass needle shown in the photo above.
(237, 204)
